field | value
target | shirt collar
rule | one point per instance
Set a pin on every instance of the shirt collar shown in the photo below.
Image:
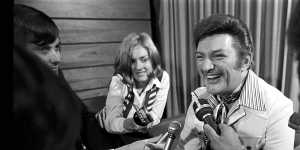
(153, 81)
(251, 94)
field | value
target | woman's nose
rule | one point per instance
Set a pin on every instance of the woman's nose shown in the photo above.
(139, 65)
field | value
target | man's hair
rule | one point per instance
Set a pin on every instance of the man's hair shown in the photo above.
(30, 22)
(226, 24)
(46, 114)
(123, 60)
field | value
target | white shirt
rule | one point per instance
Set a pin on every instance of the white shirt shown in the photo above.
(114, 119)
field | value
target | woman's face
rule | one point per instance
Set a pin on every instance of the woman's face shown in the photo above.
(141, 66)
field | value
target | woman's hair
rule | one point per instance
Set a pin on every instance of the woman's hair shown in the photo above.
(123, 60)
(31, 22)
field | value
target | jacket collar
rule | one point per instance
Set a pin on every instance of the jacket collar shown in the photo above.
(251, 94)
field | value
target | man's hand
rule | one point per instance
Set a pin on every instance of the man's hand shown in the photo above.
(228, 140)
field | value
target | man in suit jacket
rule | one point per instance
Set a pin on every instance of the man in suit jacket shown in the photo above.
(258, 112)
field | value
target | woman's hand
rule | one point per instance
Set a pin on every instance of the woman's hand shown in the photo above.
(142, 117)
(130, 125)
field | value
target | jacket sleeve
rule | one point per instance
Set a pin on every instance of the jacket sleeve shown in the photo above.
(279, 135)
(161, 99)
(114, 107)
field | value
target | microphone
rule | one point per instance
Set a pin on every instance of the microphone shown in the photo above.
(294, 121)
(172, 129)
(204, 112)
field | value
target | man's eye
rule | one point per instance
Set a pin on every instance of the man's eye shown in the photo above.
(44, 49)
(199, 57)
(133, 61)
(219, 56)
(57, 48)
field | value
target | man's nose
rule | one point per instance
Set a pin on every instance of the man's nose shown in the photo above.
(207, 65)
(55, 57)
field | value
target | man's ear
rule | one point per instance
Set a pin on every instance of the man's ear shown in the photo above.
(246, 62)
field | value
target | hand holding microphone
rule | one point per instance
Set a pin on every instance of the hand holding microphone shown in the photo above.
(204, 112)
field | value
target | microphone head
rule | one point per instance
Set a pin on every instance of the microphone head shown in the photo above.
(174, 126)
(203, 111)
(294, 121)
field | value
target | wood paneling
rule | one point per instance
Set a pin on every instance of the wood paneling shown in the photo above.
(87, 55)
(89, 78)
(91, 31)
(92, 93)
(108, 9)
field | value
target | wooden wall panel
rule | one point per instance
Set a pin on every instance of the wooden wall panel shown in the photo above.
(87, 55)
(88, 94)
(91, 31)
(88, 78)
(103, 9)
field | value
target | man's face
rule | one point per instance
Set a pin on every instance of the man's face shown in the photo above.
(218, 64)
(49, 53)
(141, 66)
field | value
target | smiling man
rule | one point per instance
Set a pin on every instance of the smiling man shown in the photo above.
(257, 111)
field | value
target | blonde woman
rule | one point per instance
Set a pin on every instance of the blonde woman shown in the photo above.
(139, 87)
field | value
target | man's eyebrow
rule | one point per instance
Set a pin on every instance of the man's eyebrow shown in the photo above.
(217, 50)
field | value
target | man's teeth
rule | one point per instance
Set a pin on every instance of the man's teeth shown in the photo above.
(212, 76)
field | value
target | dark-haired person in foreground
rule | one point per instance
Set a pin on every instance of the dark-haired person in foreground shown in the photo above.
(241, 101)
(294, 43)
(36, 33)
(45, 114)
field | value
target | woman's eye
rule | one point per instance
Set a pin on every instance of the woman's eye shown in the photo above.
(145, 59)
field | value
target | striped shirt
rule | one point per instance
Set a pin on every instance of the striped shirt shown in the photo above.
(251, 94)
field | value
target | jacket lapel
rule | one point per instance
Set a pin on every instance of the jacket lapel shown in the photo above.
(236, 115)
